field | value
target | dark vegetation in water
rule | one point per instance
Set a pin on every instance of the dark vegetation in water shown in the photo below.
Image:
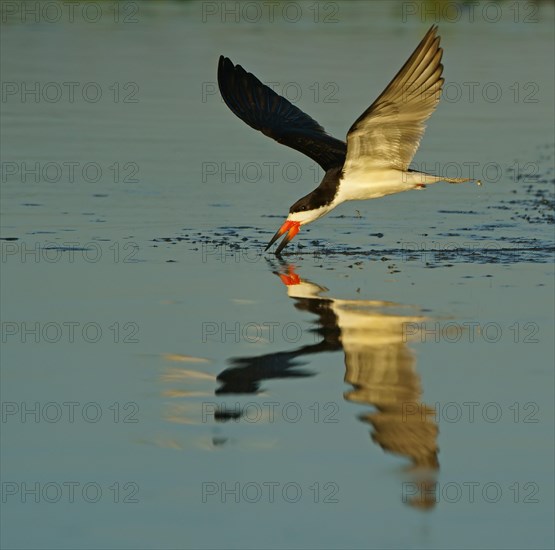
(534, 200)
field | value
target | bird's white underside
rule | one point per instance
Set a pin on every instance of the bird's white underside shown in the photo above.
(362, 184)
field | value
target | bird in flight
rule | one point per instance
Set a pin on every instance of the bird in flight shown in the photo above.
(380, 144)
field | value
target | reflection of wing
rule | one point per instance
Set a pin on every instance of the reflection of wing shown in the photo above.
(247, 373)
(380, 366)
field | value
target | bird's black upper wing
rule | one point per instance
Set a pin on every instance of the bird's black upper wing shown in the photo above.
(264, 110)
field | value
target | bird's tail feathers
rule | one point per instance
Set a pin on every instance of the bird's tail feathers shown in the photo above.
(422, 178)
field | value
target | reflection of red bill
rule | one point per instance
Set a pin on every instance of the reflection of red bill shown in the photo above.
(292, 228)
(291, 279)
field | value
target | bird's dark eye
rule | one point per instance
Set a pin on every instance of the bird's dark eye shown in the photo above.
(303, 207)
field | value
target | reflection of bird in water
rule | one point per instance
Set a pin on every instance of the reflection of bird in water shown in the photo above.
(379, 366)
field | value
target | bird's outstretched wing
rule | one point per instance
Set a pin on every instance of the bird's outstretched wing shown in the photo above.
(262, 109)
(387, 134)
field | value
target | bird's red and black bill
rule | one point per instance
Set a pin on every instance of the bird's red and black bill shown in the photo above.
(289, 227)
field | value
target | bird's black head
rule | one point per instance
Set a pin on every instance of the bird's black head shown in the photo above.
(322, 196)
(302, 205)
(309, 208)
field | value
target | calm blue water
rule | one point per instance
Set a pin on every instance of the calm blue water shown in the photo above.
(163, 388)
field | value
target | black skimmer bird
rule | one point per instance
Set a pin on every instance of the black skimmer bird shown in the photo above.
(381, 143)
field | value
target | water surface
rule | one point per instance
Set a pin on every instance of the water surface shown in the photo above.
(387, 384)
